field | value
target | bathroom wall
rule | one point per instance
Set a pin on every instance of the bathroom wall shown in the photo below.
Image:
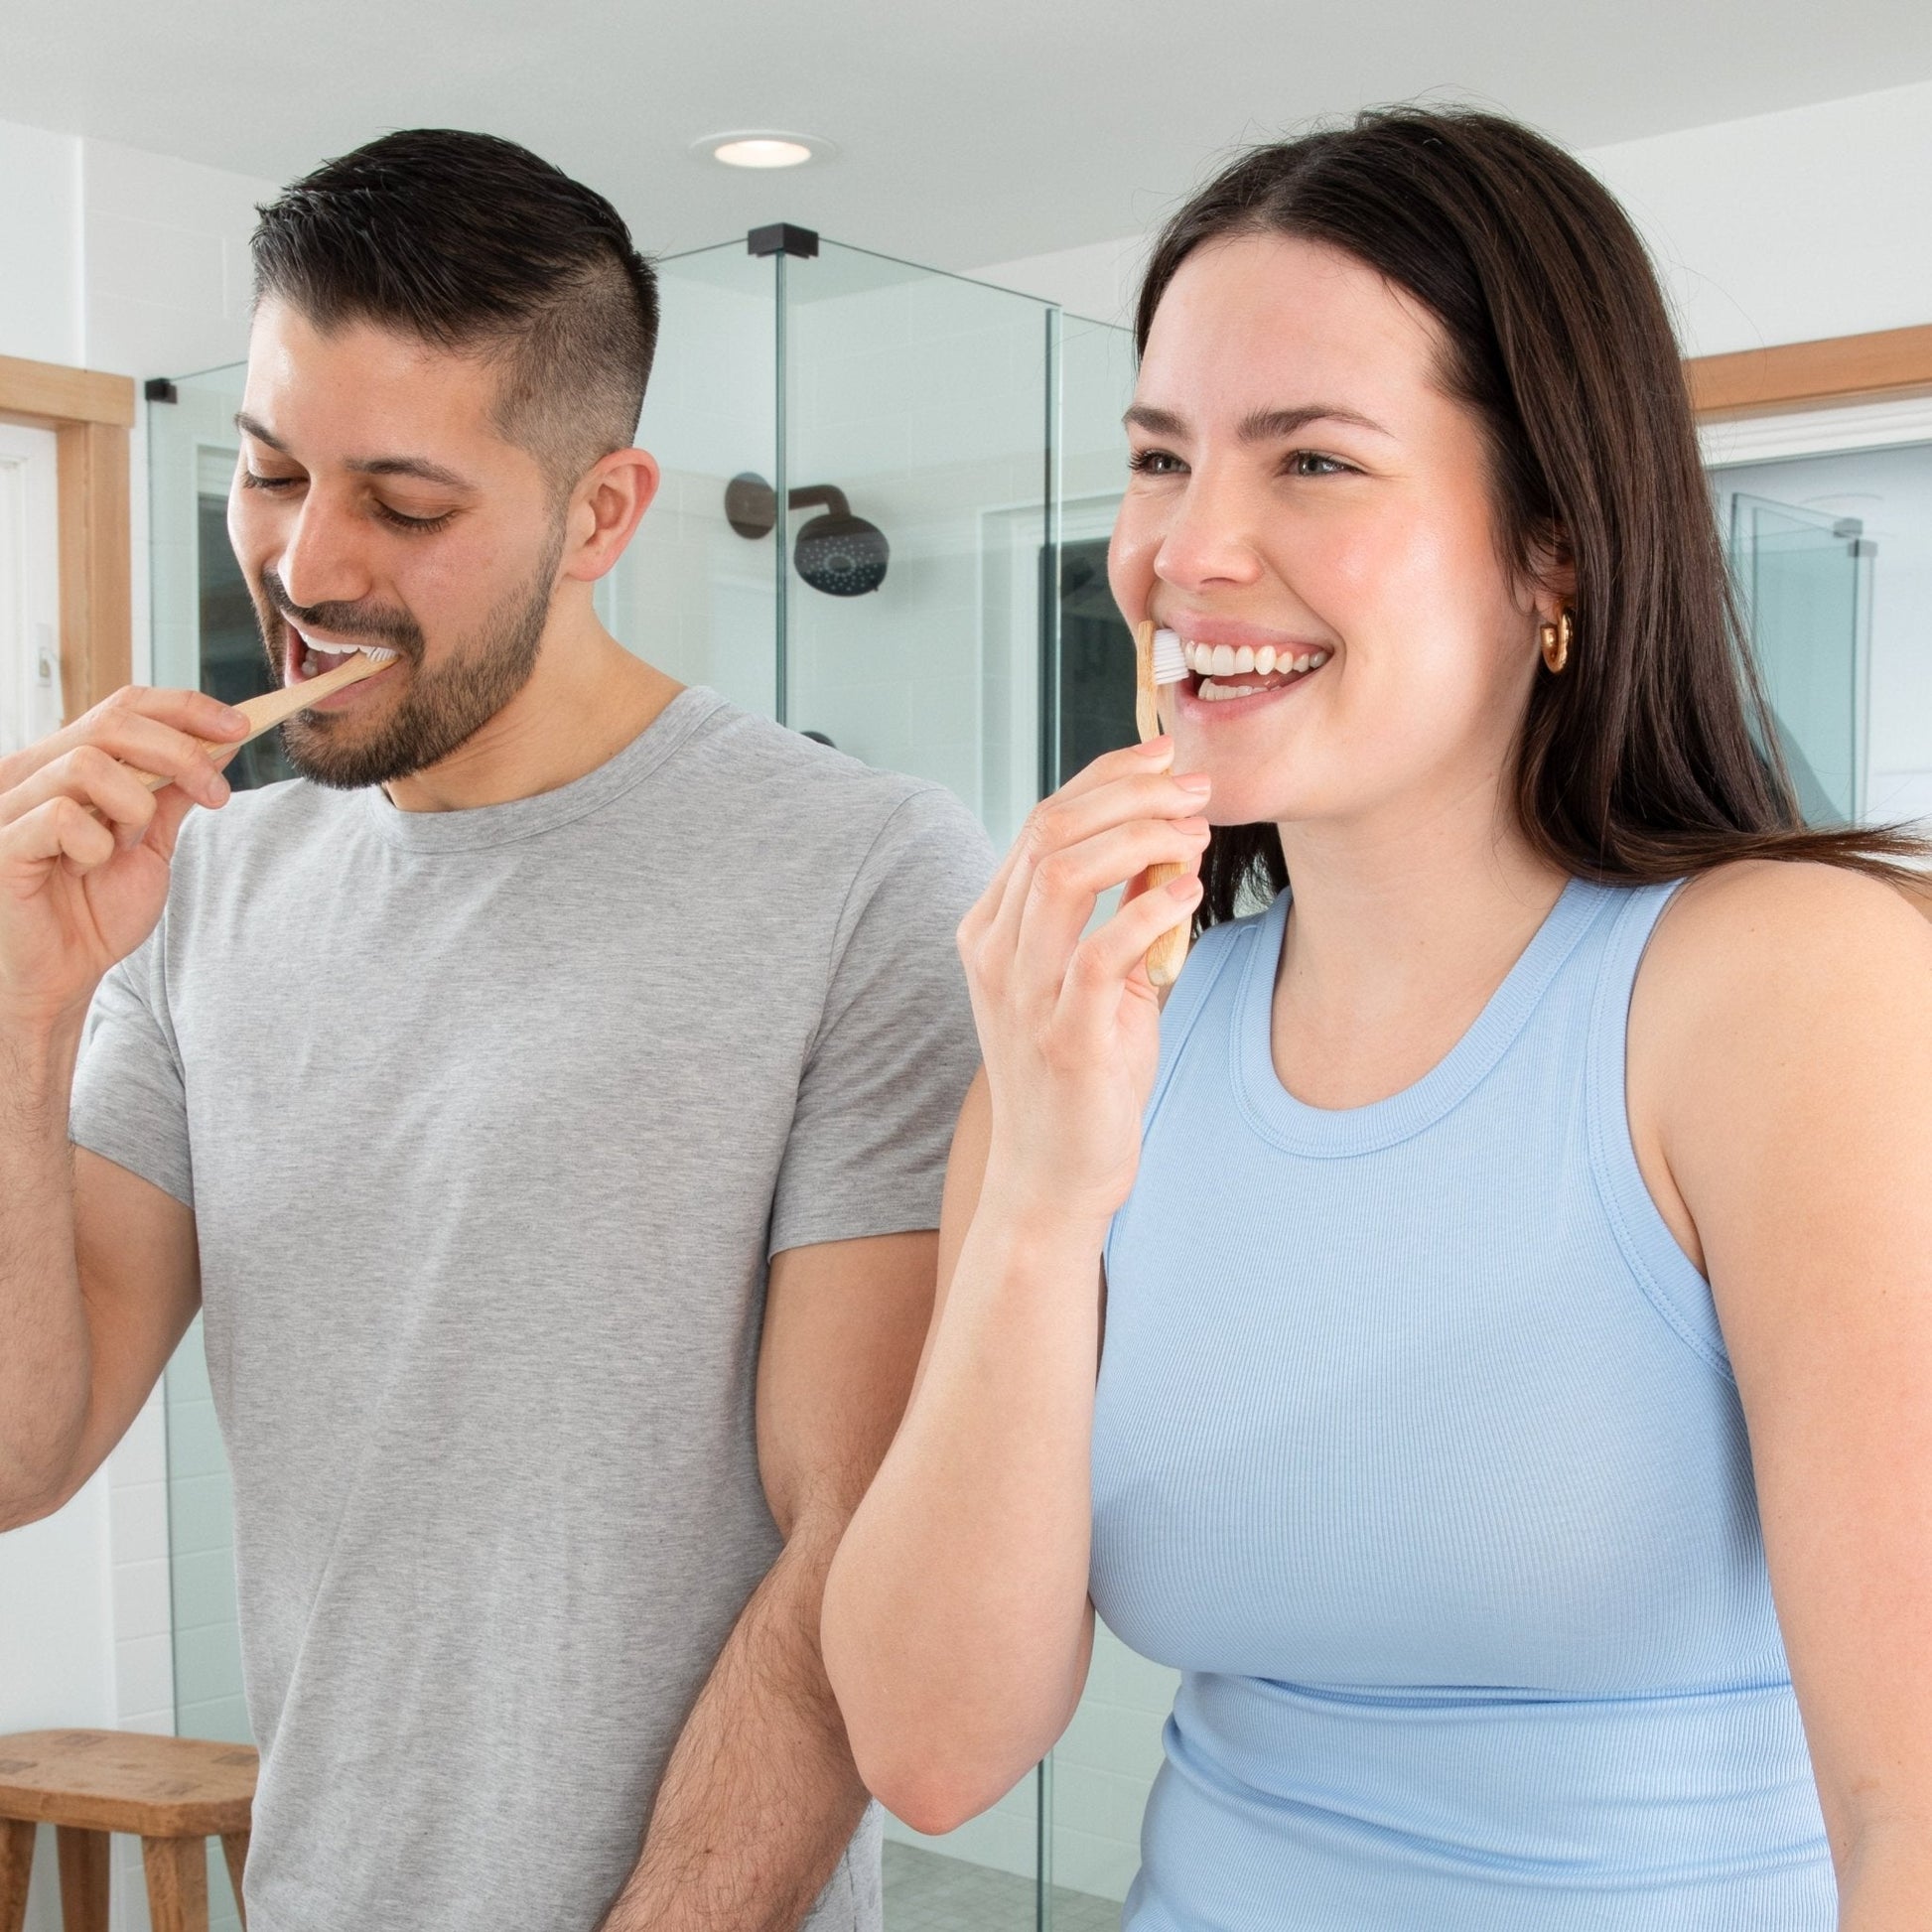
(40, 293)
(1779, 229)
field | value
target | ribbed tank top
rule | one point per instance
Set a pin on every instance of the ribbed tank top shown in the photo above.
(1418, 1452)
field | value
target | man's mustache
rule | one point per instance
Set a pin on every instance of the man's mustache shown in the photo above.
(393, 627)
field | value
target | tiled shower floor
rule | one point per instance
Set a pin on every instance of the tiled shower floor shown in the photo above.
(926, 1891)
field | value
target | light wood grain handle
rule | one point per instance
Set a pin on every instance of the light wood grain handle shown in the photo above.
(1165, 956)
(1147, 707)
(273, 708)
(1169, 953)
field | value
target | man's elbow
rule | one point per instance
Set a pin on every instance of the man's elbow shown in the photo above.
(38, 1477)
(29, 1494)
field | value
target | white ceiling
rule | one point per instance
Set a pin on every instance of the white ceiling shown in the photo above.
(969, 134)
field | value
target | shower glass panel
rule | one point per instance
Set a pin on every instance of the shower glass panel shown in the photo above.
(916, 407)
(1833, 558)
(690, 595)
(1801, 577)
(921, 401)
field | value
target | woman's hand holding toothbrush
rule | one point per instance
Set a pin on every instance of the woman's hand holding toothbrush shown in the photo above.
(1069, 1025)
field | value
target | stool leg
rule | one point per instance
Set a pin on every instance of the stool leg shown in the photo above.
(84, 1879)
(177, 1869)
(234, 1848)
(16, 1868)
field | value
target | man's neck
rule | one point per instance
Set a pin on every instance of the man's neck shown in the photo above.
(586, 699)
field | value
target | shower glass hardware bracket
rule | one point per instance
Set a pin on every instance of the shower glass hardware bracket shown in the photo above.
(782, 238)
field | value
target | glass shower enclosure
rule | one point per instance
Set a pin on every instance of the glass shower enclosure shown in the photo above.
(885, 498)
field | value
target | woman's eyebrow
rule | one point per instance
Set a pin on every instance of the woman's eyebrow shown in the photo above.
(1270, 425)
(1261, 426)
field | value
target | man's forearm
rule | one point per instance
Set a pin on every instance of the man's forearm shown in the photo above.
(760, 1796)
(43, 1346)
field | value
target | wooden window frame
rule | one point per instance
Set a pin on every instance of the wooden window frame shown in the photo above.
(1886, 365)
(90, 414)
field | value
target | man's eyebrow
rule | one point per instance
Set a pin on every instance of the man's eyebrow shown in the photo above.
(1261, 426)
(375, 466)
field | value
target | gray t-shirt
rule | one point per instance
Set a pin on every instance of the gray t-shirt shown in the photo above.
(489, 1121)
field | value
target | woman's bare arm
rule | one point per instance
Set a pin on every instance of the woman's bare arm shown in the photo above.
(1781, 1064)
(957, 1626)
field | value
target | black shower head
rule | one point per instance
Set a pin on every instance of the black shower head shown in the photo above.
(838, 553)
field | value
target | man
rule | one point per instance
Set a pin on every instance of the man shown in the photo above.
(469, 1086)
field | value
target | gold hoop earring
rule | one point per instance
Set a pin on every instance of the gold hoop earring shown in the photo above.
(1554, 639)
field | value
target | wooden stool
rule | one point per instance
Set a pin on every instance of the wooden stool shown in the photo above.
(171, 1793)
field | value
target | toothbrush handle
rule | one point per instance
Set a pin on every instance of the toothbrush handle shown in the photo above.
(268, 710)
(1166, 956)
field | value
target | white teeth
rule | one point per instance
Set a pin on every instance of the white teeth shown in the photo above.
(1225, 661)
(333, 656)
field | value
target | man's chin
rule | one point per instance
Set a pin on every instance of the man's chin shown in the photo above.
(322, 757)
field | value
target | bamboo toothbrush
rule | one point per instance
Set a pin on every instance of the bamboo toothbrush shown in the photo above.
(1157, 661)
(273, 707)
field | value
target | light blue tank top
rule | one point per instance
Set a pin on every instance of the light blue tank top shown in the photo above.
(1418, 1452)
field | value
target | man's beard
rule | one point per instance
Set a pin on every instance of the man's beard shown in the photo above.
(440, 710)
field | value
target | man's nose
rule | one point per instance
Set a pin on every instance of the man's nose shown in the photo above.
(321, 561)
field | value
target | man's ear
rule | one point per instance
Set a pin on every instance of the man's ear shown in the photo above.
(604, 510)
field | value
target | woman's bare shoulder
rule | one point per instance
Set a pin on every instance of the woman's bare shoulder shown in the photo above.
(1774, 923)
(1760, 960)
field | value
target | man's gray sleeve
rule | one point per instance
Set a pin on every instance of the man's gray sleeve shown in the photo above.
(896, 1050)
(130, 1105)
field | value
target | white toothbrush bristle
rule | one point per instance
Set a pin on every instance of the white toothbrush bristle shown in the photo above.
(1169, 662)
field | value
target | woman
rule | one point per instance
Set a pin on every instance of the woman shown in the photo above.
(1518, 1316)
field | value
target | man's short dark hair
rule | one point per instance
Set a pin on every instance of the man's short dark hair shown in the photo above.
(475, 244)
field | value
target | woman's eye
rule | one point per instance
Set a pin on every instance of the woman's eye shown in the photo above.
(1155, 462)
(251, 481)
(1312, 462)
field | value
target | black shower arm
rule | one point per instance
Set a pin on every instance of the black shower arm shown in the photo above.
(832, 498)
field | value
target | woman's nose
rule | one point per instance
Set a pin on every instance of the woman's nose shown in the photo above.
(1211, 537)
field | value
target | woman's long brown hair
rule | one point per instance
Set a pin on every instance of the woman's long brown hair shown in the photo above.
(1653, 754)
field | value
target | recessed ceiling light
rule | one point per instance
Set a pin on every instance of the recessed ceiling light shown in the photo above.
(762, 148)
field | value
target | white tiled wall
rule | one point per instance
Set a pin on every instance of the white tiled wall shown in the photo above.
(144, 1673)
(1103, 1766)
(207, 1690)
